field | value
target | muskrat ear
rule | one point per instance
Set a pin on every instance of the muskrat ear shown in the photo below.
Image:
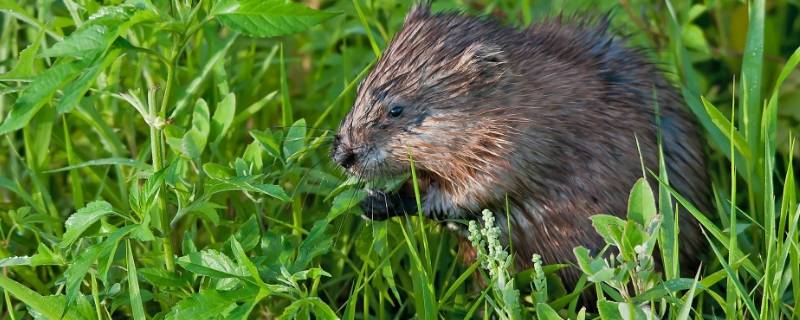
(488, 60)
(420, 10)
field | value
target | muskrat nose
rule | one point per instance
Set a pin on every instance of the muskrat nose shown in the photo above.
(345, 158)
(342, 154)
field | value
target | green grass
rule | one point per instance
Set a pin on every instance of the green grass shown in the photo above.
(169, 159)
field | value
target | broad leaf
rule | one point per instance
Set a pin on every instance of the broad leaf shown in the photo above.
(295, 139)
(50, 307)
(641, 203)
(212, 263)
(83, 219)
(26, 61)
(206, 304)
(74, 92)
(223, 117)
(98, 33)
(317, 243)
(268, 18)
(545, 312)
(38, 93)
(609, 227)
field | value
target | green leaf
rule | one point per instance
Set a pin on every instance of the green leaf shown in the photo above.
(89, 40)
(106, 162)
(545, 312)
(641, 203)
(252, 154)
(752, 69)
(609, 227)
(206, 304)
(49, 307)
(83, 219)
(268, 18)
(184, 96)
(162, 278)
(223, 117)
(608, 309)
(38, 93)
(43, 257)
(212, 263)
(314, 304)
(74, 92)
(98, 33)
(271, 190)
(686, 308)
(79, 267)
(295, 139)
(194, 141)
(133, 287)
(15, 261)
(269, 141)
(248, 234)
(595, 268)
(16, 188)
(694, 38)
(317, 243)
(25, 62)
(724, 126)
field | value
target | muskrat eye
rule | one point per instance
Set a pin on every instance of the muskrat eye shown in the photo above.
(395, 111)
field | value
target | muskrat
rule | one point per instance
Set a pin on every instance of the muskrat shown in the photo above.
(541, 121)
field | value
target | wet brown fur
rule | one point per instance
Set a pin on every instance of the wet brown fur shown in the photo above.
(548, 116)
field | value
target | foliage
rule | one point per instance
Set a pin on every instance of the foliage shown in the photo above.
(169, 160)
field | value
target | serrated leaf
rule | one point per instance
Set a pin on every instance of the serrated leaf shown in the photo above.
(87, 41)
(212, 263)
(83, 219)
(206, 304)
(15, 261)
(268, 18)
(45, 256)
(99, 32)
(38, 93)
(161, 278)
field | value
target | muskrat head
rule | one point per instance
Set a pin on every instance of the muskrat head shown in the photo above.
(432, 96)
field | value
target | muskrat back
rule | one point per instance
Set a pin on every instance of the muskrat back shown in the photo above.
(547, 117)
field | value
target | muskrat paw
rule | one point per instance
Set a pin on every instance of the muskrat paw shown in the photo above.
(379, 205)
(375, 206)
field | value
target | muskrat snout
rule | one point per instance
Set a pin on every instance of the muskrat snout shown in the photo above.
(343, 154)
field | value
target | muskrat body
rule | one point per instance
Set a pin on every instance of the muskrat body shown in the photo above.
(545, 119)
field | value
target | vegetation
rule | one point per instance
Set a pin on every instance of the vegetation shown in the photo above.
(169, 160)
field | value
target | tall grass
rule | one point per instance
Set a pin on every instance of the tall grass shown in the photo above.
(168, 159)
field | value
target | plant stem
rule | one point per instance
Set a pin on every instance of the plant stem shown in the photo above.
(157, 149)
